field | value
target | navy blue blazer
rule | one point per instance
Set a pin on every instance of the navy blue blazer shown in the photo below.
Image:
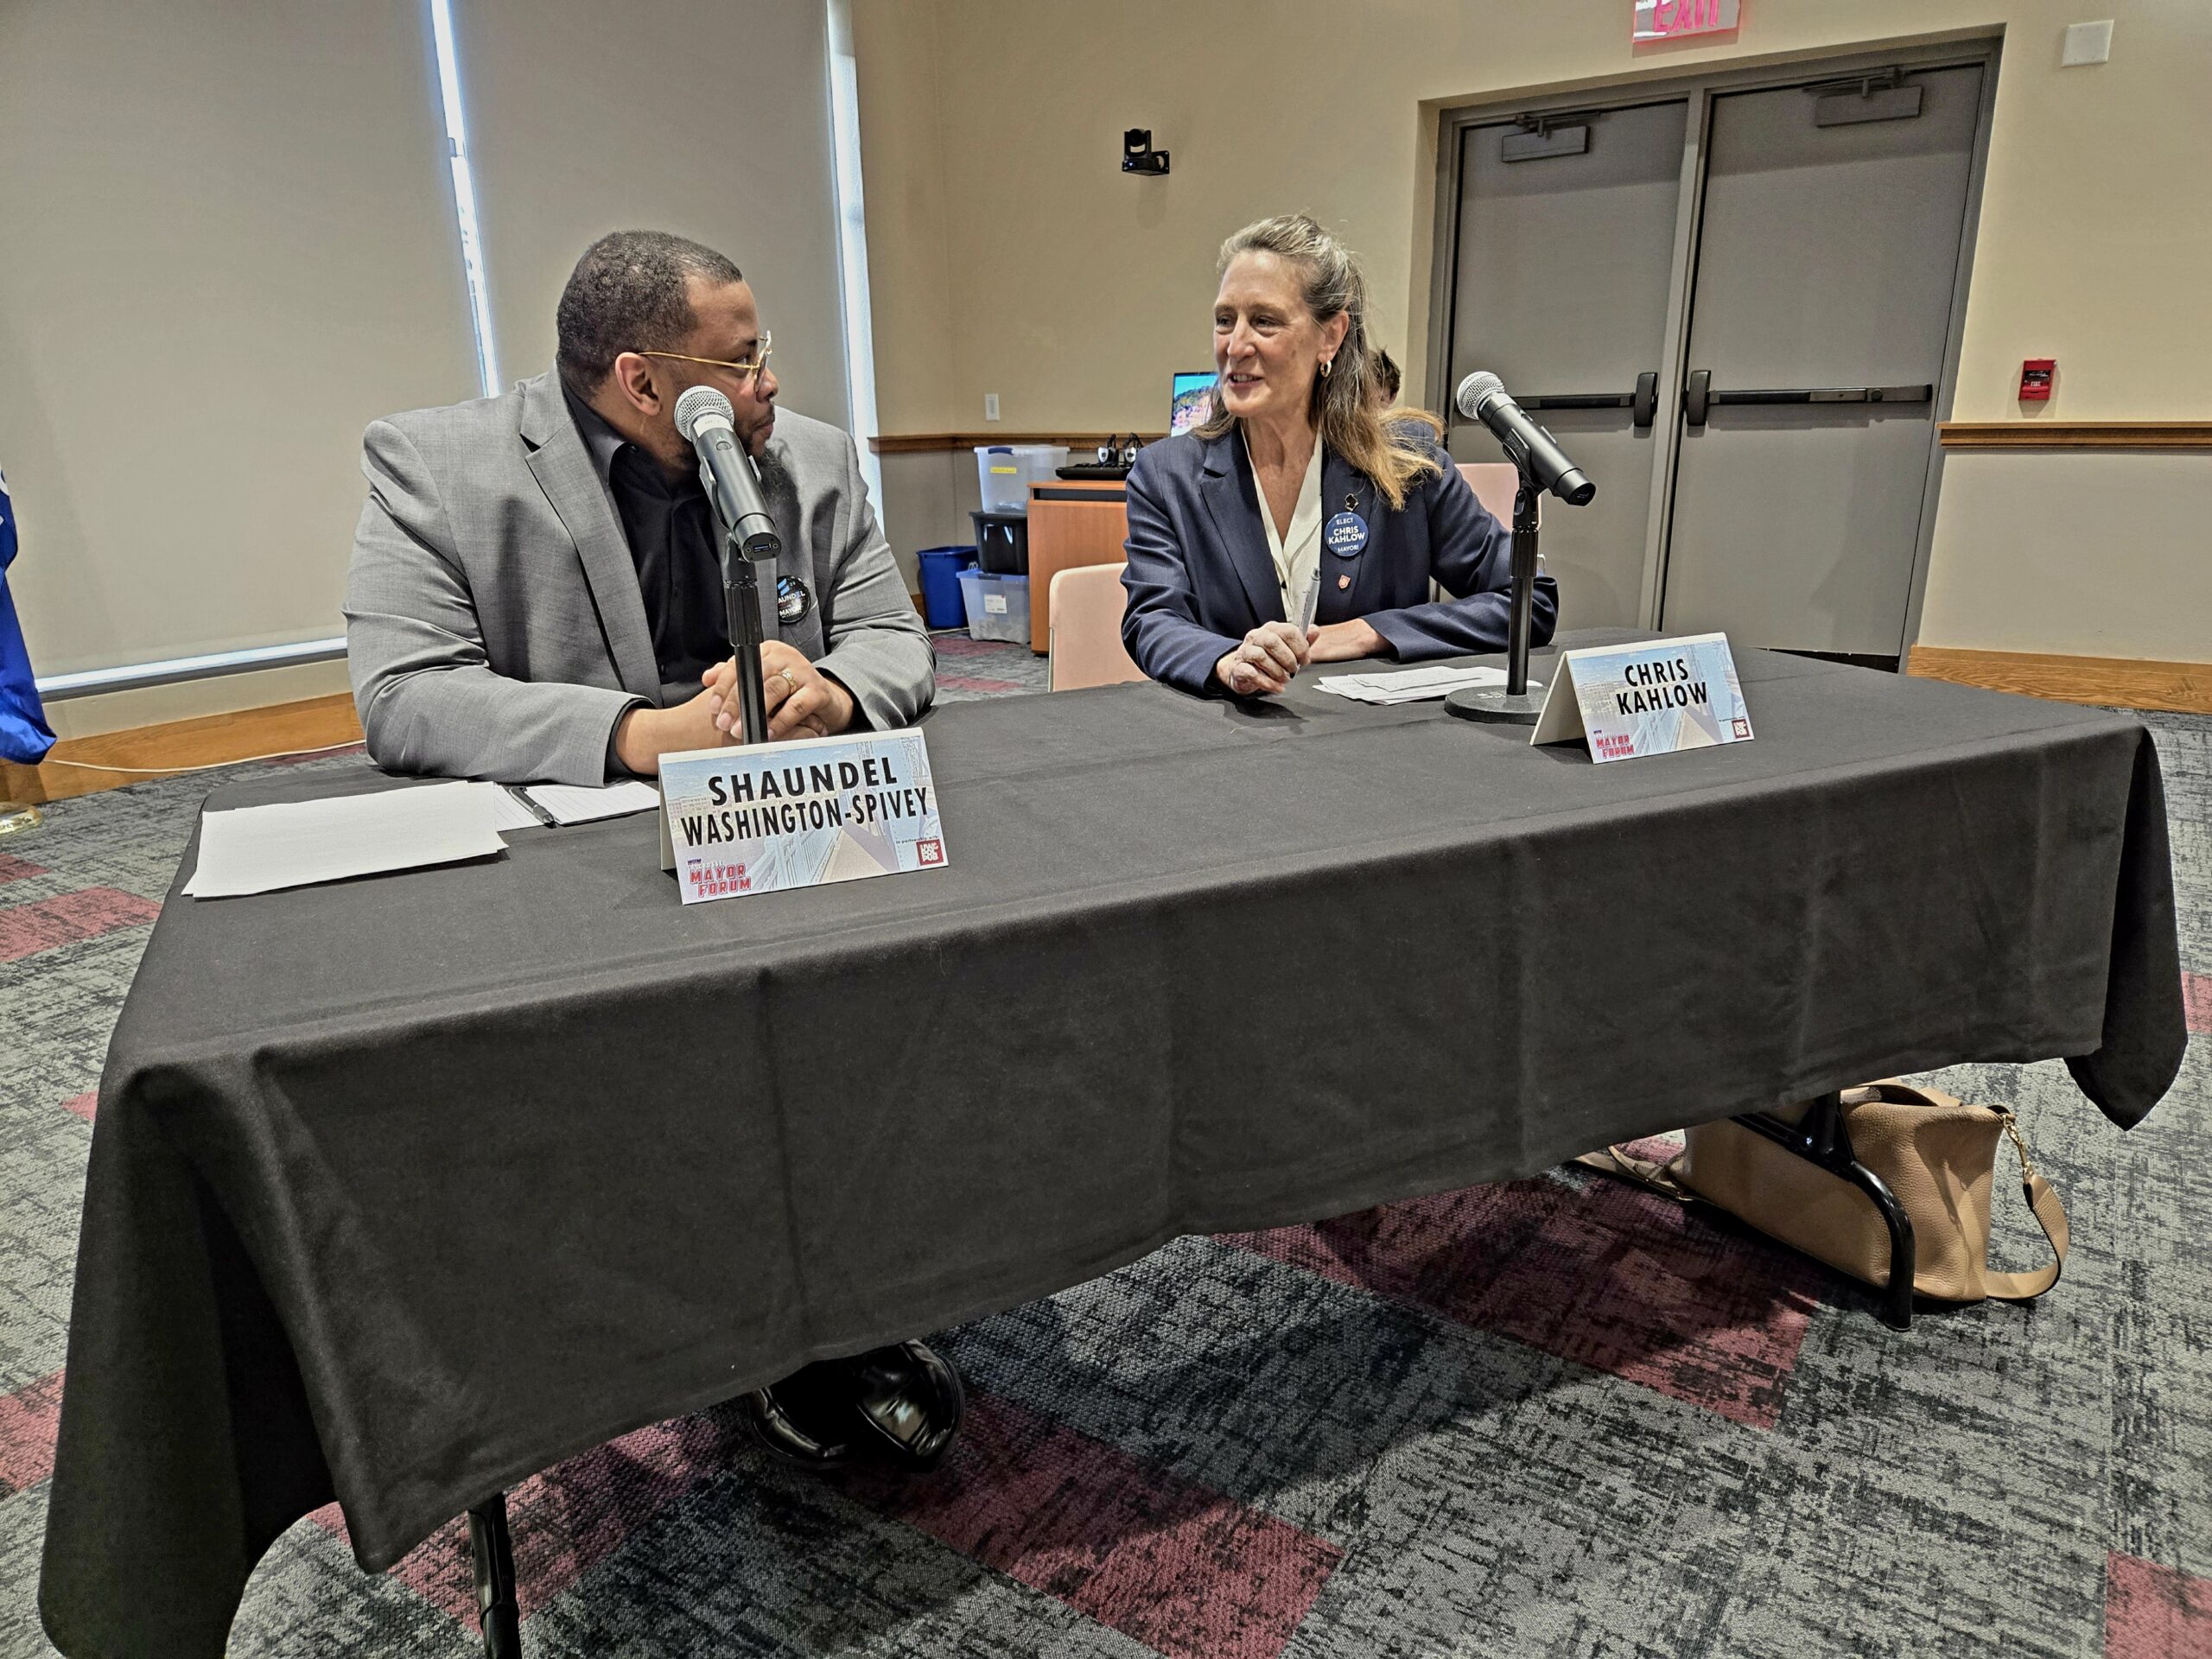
(1200, 577)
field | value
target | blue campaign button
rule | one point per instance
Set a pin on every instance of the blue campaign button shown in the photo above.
(1345, 534)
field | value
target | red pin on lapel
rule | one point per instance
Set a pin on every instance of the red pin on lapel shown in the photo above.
(1344, 582)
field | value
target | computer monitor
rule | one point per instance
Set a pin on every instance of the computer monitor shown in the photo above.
(1193, 401)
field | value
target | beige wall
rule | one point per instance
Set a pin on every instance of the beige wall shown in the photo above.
(1072, 290)
(226, 252)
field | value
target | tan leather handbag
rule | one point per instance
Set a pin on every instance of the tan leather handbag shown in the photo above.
(1934, 1152)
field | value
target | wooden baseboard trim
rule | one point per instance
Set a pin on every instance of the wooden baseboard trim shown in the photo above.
(2076, 434)
(210, 739)
(2126, 681)
(917, 443)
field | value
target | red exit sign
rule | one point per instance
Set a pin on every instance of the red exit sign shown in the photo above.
(1662, 20)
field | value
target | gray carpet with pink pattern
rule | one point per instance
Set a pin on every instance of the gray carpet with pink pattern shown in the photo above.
(1557, 1417)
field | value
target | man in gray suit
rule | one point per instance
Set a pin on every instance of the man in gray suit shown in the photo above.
(537, 595)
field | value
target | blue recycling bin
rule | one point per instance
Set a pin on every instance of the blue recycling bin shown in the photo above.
(941, 568)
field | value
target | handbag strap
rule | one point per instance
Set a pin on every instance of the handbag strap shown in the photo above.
(1658, 1178)
(2050, 1215)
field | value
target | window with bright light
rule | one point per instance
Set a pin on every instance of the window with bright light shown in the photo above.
(464, 196)
(852, 242)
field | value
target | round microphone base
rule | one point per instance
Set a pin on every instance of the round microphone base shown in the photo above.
(1495, 706)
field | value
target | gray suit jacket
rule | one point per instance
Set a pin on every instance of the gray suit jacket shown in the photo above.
(493, 620)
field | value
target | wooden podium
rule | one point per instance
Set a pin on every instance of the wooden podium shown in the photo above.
(1071, 522)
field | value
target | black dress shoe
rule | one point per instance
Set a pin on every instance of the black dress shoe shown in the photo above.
(901, 1405)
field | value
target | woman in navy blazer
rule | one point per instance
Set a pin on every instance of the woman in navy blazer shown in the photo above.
(1300, 501)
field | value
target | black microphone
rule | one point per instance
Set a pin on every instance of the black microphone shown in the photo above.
(703, 416)
(1483, 397)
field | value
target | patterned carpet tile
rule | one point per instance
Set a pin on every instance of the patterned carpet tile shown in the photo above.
(28, 1419)
(1187, 1571)
(968, 669)
(67, 918)
(1620, 1282)
(2154, 1612)
(567, 1519)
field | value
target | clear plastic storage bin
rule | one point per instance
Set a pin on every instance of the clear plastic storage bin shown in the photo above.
(1006, 470)
(998, 606)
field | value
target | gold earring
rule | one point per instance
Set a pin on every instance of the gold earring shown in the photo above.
(1324, 368)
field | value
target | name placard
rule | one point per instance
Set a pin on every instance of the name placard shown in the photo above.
(1650, 698)
(801, 814)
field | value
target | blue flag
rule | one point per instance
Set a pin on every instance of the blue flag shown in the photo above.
(24, 737)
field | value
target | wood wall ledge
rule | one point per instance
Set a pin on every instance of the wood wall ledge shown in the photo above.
(1955, 434)
(206, 739)
(2120, 682)
(2077, 435)
(915, 443)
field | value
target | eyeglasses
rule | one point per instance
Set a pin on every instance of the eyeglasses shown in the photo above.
(751, 369)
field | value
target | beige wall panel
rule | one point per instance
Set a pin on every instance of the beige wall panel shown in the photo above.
(2082, 555)
(926, 487)
(712, 121)
(902, 174)
(229, 248)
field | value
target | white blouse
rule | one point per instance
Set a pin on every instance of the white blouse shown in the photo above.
(1297, 555)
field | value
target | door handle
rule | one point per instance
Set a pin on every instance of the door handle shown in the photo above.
(1575, 400)
(1641, 403)
(1699, 395)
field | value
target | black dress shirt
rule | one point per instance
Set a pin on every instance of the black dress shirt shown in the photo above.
(670, 526)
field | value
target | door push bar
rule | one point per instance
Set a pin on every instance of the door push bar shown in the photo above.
(1699, 396)
(1642, 403)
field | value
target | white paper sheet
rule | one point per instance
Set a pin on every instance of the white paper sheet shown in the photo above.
(510, 811)
(1413, 685)
(296, 844)
(575, 803)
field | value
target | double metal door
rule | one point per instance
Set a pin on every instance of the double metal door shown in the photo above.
(1733, 309)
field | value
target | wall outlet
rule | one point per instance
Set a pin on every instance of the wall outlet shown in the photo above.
(2087, 43)
(990, 405)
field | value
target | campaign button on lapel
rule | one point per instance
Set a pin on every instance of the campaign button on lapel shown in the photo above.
(792, 601)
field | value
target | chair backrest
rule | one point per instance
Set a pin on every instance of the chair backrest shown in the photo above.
(1085, 644)
(1494, 483)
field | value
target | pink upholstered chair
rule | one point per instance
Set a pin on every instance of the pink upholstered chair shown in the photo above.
(1494, 483)
(1085, 644)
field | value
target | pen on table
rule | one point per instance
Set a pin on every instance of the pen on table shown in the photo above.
(536, 810)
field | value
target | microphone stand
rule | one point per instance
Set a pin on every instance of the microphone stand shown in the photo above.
(1516, 704)
(742, 602)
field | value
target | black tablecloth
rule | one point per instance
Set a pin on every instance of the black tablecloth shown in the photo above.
(404, 1188)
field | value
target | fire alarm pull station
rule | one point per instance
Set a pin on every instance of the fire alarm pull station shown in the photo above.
(2035, 379)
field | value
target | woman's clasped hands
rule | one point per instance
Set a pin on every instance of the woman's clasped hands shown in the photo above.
(1270, 655)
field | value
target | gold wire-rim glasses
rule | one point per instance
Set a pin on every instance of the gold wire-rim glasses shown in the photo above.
(753, 368)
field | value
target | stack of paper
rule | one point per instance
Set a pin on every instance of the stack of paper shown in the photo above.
(262, 848)
(575, 803)
(1414, 684)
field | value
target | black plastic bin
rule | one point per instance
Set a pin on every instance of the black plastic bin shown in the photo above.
(1003, 543)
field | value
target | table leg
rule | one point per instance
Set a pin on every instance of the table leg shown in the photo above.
(1819, 1137)
(492, 1553)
